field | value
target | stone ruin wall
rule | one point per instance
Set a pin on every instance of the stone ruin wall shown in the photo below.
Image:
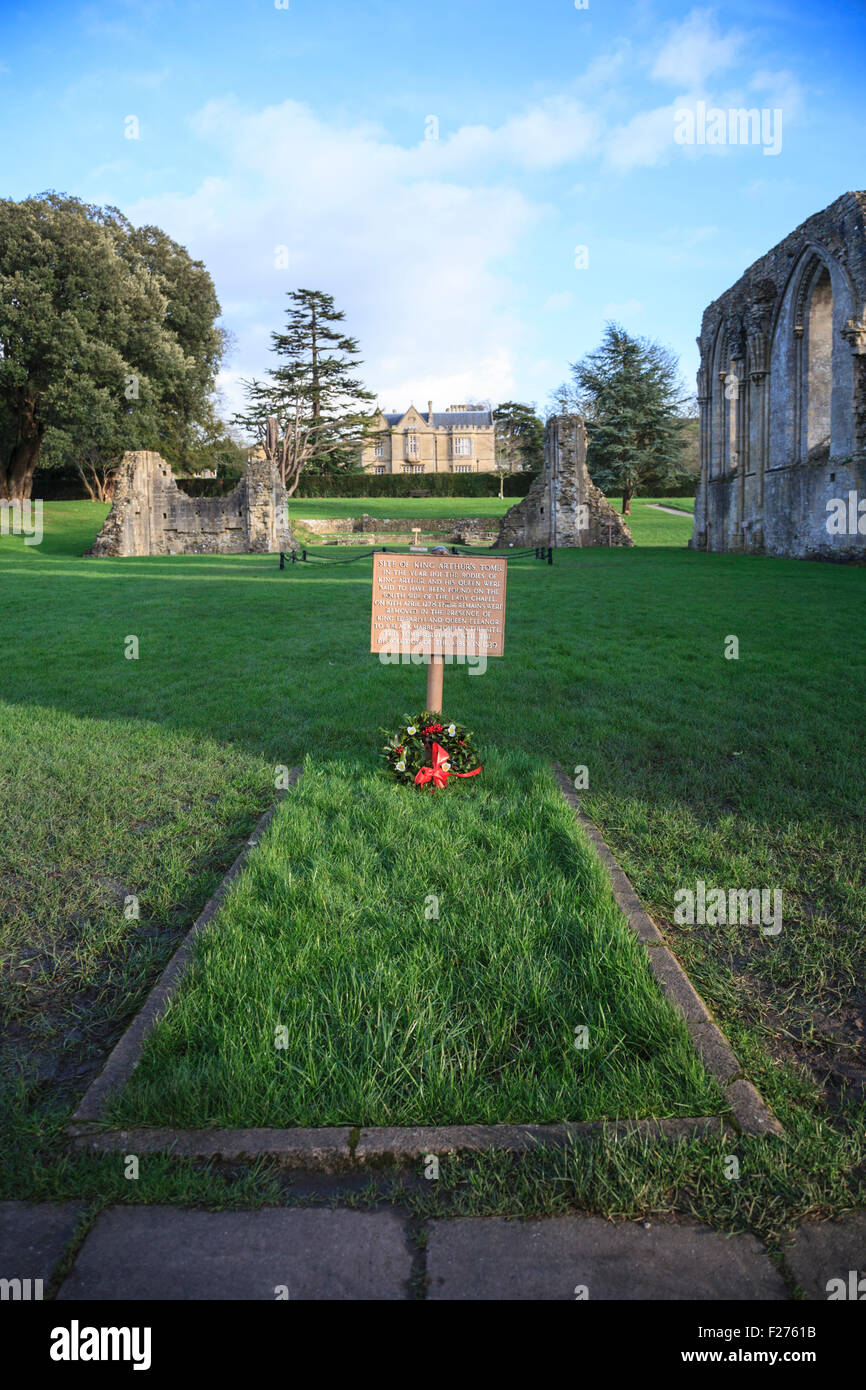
(563, 507)
(782, 396)
(151, 516)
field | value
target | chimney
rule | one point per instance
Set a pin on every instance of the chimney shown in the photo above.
(429, 412)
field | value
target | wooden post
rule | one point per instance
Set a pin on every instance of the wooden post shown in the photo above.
(435, 671)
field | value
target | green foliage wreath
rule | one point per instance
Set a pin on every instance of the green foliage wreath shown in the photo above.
(432, 746)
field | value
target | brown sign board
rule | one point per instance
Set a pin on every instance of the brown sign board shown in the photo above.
(438, 604)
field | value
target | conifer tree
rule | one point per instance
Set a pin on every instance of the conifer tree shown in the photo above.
(319, 405)
(630, 395)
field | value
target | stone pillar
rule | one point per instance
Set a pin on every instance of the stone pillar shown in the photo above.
(563, 506)
(854, 333)
(738, 452)
(699, 531)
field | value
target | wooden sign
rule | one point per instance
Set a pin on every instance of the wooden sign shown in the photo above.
(438, 605)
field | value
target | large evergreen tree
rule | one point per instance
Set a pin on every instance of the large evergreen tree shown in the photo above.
(318, 409)
(108, 338)
(519, 436)
(629, 392)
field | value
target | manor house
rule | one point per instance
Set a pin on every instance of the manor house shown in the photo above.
(457, 440)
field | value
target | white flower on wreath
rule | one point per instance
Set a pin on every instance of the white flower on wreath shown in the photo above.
(411, 730)
(452, 730)
(401, 766)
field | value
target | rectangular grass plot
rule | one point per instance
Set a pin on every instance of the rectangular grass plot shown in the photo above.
(392, 957)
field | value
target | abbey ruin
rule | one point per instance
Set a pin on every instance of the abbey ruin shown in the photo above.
(563, 507)
(151, 516)
(782, 397)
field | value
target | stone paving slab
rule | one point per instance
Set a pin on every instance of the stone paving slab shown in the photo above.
(825, 1250)
(490, 1258)
(33, 1236)
(169, 1253)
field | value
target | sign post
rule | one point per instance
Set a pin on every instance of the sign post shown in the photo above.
(435, 674)
(435, 608)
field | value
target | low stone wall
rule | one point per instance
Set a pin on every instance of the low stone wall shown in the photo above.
(374, 530)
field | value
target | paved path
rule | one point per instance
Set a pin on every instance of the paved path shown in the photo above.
(674, 511)
(164, 1252)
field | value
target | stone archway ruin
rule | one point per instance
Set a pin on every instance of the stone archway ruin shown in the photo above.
(782, 396)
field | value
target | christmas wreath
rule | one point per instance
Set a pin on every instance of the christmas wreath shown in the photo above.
(428, 749)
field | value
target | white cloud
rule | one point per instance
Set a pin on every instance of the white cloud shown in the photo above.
(557, 132)
(411, 254)
(696, 49)
(644, 140)
(419, 244)
(781, 90)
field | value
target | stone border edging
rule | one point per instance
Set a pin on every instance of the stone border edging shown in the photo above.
(126, 1053)
(750, 1111)
(341, 1147)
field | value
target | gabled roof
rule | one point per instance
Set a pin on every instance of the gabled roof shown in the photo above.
(448, 419)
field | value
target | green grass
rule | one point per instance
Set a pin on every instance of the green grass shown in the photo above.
(397, 1016)
(648, 526)
(743, 773)
(682, 504)
(654, 528)
(419, 507)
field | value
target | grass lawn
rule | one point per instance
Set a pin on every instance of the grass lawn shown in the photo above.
(125, 778)
(396, 1017)
(335, 507)
(648, 527)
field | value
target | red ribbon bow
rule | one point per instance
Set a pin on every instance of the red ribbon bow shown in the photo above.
(438, 773)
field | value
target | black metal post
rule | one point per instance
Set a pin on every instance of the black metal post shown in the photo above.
(282, 561)
(550, 554)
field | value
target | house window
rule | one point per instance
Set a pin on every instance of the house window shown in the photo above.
(380, 468)
(380, 449)
(462, 446)
(411, 444)
(413, 468)
(463, 468)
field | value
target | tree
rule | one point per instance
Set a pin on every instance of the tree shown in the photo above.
(519, 436)
(220, 446)
(563, 400)
(108, 338)
(629, 392)
(313, 412)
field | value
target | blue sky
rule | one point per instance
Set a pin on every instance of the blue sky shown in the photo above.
(292, 146)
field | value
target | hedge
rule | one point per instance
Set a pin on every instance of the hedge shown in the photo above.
(413, 485)
(58, 484)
